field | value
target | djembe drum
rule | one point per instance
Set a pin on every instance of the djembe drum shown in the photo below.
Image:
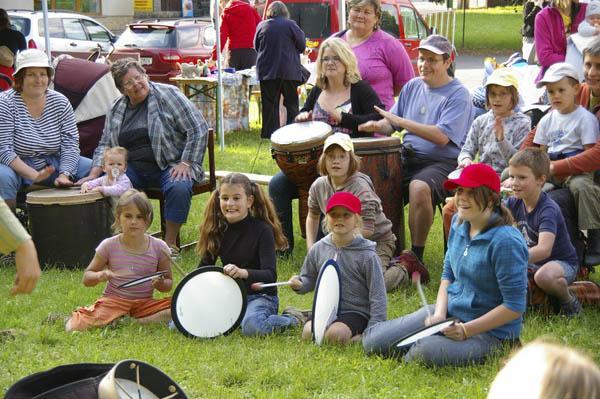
(381, 160)
(67, 226)
(296, 148)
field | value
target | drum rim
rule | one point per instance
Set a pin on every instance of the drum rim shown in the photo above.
(74, 198)
(327, 263)
(189, 276)
(313, 143)
(397, 343)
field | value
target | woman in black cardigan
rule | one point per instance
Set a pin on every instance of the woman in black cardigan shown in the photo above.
(340, 98)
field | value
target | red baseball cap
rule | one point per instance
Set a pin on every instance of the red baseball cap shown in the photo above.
(345, 199)
(474, 175)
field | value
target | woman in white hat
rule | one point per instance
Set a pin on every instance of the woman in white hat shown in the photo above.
(39, 142)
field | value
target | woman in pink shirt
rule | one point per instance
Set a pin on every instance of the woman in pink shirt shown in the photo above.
(382, 59)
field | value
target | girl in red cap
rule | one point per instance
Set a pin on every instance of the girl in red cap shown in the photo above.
(363, 302)
(484, 282)
(339, 168)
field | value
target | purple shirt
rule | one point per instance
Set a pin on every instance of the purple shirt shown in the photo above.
(111, 189)
(384, 63)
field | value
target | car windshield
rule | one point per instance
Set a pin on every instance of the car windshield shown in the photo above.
(147, 36)
(23, 25)
(312, 18)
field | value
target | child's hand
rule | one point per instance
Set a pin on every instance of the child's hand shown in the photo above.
(499, 129)
(295, 283)
(84, 188)
(507, 183)
(464, 163)
(106, 275)
(235, 272)
(158, 282)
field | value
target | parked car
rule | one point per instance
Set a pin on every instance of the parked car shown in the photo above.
(161, 44)
(70, 33)
(319, 19)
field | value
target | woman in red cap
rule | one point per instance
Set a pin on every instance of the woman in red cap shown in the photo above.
(484, 282)
(363, 299)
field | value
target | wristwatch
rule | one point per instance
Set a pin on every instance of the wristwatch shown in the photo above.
(68, 174)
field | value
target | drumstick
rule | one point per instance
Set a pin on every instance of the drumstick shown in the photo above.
(416, 279)
(179, 269)
(137, 380)
(260, 286)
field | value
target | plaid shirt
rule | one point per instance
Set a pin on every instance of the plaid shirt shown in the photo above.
(177, 130)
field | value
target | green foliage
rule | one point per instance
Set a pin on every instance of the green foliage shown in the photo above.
(278, 366)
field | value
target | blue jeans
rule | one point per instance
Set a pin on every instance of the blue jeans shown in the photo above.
(282, 191)
(11, 182)
(436, 350)
(261, 316)
(178, 194)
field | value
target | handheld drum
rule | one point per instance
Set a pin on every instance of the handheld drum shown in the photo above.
(327, 299)
(404, 343)
(208, 303)
(296, 148)
(135, 379)
(381, 160)
(67, 226)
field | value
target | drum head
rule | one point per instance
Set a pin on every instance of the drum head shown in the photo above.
(62, 196)
(135, 379)
(297, 136)
(327, 299)
(424, 332)
(208, 303)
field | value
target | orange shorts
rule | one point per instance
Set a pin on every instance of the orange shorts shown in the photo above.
(109, 308)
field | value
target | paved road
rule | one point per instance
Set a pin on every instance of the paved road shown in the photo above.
(469, 70)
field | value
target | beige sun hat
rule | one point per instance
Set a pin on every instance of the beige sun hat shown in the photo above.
(32, 58)
(7, 58)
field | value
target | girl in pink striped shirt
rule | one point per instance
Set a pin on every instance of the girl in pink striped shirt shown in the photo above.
(128, 255)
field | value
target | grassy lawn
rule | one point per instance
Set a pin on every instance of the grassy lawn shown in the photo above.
(278, 366)
(489, 30)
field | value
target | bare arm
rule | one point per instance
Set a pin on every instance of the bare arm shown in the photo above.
(496, 317)
(312, 229)
(28, 269)
(97, 272)
(543, 249)
(428, 132)
(164, 283)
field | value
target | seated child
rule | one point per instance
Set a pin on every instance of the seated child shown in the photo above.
(126, 256)
(242, 228)
(363, 302)
(496, 135)
(566, 131)
(543, 370)
(114, 182)
(552, 257)
(484, 283)
(590, 26)
(339, 169)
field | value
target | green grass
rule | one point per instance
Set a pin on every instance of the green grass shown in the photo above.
(489, 30)
(279, 366)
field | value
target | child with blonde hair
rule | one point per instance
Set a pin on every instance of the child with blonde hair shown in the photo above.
(128, 255)
(114, 182)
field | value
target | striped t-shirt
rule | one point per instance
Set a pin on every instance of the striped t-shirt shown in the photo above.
(130, 265)
(54, 133)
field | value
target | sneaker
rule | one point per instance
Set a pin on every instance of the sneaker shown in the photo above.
(412, 264)
(571, 308)
(175, 252)
(301, 315)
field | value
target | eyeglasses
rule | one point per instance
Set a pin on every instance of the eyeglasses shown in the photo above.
(335, 58)
(134, 80)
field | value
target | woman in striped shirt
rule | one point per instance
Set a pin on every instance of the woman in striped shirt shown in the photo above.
(39, 142)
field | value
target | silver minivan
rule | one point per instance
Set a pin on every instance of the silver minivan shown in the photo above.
(70, 33)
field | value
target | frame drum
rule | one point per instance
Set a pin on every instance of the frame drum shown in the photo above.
(208, 303)
(381, 160)
(326, 303)
(67, 226)
(296, 148)
(407, 341)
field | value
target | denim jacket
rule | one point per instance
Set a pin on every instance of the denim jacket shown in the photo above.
(485, 272)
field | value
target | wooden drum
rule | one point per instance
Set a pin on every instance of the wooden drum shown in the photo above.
(67, 226)
(381, 159)
(296, 148)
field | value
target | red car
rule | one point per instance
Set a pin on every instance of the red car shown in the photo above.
(161, 44)
(319, 19)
